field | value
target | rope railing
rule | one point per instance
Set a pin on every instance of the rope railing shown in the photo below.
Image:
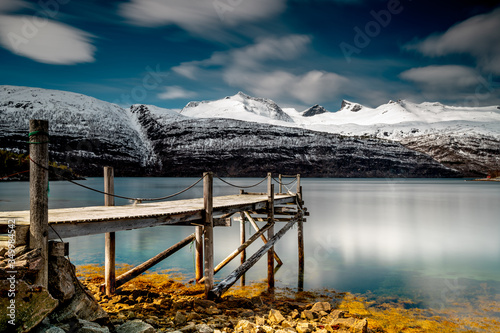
(281, 183)
(116, 195)
(239, 186)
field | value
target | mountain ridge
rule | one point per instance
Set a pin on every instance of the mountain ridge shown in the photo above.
(88, 132)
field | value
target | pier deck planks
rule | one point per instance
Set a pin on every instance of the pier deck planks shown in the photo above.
(81, 221)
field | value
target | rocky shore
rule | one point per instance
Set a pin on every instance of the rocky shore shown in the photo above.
(159, 302)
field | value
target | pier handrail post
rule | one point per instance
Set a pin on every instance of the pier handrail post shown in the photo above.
(280, 185)
(298, 183)
(109, 238)
(208, 231)
(39, 201)
(270, 232)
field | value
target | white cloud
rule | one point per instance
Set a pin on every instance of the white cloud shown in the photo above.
(453, 84)
(477, 36)
(199, 17)
(175, 92)
(447, 77)
(45, 40)
(248, 69)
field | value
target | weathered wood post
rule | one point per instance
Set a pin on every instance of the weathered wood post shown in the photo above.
(280, 178)
(39, 200)
(300, 236)
(270, 232)
(109, 238)
(198, 253)
(208, 231)
(242, 241)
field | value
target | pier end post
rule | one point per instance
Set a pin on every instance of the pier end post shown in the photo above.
(300, 236)
(270, 232)
(208, 231)
(109, 238)
(39, 200)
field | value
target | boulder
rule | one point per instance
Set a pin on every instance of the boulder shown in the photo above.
(135, 326)
(61, 284)
(90, 327)
(309, 315)
(204, 328)
(180, 318)
(321, 306)
(304, 328)
(275, 317)
(244, 326)
(32, 304)
(81, 306)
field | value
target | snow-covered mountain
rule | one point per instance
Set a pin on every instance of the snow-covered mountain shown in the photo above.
(474, 131)
(354, 141)
(84, 130)
(239, 107)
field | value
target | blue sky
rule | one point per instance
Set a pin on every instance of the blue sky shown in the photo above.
(296, 52)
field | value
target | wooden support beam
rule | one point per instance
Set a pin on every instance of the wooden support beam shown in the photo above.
(270, 233)
(208, 231)
(109, 237)
(242, 241)
(225, 284)
(240, 249)
(39, 201)
(138, 270)
(264, 239)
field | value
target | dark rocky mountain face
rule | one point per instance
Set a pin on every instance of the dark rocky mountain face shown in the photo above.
(314, 110)
(237, 148)
(472, 156)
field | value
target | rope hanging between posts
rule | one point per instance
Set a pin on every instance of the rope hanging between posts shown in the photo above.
(281, 183)
(115, 195)
(238, 186)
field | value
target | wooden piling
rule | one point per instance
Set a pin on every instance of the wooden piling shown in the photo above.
(242, 241)
(39, 201)
(198, 253)
(280, 185)
(208, 231)
(109, 238)
(270, 232)
(300, 236)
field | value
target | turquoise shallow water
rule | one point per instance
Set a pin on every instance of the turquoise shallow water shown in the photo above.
(433, 241)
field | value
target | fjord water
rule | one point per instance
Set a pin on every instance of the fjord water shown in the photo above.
(430, 240)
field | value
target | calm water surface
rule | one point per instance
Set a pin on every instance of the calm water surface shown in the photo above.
(433, 241)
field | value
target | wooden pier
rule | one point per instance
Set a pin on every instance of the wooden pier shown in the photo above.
(41, 226)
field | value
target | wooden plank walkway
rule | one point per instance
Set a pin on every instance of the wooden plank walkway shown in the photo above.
(82, 221)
